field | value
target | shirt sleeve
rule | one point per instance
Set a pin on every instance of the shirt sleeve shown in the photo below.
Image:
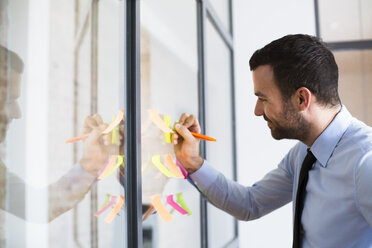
(363, 187)
(62, 195)
(246, 203)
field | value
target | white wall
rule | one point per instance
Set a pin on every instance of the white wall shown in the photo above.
(257, 23)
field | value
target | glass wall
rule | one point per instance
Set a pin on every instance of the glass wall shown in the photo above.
(169, 87)
(61, 77)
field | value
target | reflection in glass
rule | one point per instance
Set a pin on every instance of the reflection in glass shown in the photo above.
(50, 89)
(219, 117)
(168, 85)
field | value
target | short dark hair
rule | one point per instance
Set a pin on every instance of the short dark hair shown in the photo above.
(10, 59)
(301, 61)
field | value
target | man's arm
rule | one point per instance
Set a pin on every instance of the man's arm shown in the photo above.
(363, 186)
(245, 203)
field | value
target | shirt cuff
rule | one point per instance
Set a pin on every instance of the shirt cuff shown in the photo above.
(205, 176)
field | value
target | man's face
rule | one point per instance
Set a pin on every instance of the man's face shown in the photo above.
(9, 94)
(284, 121)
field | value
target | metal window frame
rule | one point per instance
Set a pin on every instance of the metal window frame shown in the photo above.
(132, 128)
(206, 12)
(340, 45)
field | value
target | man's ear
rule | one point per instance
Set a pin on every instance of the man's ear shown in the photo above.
(303, 98)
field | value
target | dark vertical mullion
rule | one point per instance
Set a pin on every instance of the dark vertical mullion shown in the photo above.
(93, 110)
(317, 24)
(201, 17)
(133, 187)
(232, 71)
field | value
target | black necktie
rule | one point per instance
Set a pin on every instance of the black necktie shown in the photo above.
(300, 197)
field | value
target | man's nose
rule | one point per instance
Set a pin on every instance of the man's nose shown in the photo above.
(258, 110)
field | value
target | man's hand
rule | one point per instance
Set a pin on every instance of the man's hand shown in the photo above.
(96, 149)
(186, 146)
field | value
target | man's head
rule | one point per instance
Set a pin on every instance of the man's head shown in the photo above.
(287, 74)
(11, 68)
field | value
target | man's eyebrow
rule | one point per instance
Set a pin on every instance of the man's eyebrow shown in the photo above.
(259, 94)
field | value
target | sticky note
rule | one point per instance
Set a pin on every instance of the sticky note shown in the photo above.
(116, 122)
(183, 170)
(119, 161)
(116, 210)
(105, 207)
(183, 203)
(172, 166)
(155, 118)
(106, 201)
(175, 205)
(108, 166)
(156, 161)
(160, 208)
(148, 212)
(167, 136)
(114, 134)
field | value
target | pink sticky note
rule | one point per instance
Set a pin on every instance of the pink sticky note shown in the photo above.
(112, 202)
(183, 170)
(175, 205)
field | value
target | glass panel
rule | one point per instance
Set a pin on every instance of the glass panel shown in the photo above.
(351, 21)
(219, 117)
(355, 82)
(168, 85)
(54, 74)
(222, 8)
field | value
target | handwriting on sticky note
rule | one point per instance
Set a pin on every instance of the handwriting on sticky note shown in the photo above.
(175, 205)
(172, 166)
(108, 167)
(116, 122)
(116, 210)
(156, 161)
(104, 208)
(155, 118)
(119, 161)
(160, 208)
(182, 203)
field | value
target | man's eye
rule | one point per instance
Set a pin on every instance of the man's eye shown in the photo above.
(262, 100)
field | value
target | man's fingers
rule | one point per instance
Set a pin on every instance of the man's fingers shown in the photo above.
(98, 119)
(192, 124)
(183, 117)
(184, 132)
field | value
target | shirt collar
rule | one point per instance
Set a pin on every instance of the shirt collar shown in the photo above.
(325, 144)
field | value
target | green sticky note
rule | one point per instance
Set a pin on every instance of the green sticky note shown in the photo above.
(114, 134)
(183, 203)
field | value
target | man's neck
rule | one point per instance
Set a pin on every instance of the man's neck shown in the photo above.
(321, 117)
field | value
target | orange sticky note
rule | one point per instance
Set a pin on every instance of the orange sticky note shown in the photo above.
(172, 166)
(155, 118)
(116, 210)
(160, 208)
(116, 122)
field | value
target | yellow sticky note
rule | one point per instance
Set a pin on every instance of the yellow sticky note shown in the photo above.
(119, 161)
(108, 167)
(160, 208)
(155, 118)
(167, 136)
(156, 161)
(172, 166)
(116, 210)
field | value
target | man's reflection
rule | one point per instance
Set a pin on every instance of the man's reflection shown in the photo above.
(69, 189)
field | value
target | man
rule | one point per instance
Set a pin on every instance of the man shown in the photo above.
(69, 189)
(327, 175)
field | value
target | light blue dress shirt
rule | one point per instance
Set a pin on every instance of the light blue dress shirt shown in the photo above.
(338, 203)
